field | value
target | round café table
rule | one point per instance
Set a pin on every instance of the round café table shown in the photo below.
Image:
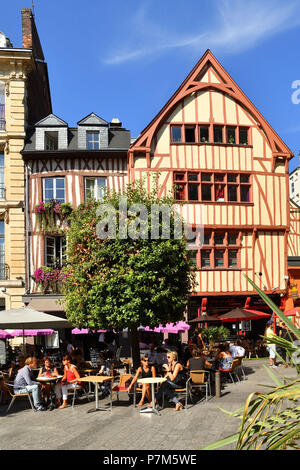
(152, 381)
(96, 380)
(52, 381)
(90, 371)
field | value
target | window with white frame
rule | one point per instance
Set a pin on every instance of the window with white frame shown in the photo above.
(51, 140)
(92, 140)
(54, 189)
(55, 251)
(95, 188)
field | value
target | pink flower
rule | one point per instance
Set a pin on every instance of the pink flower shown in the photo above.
(57, 208)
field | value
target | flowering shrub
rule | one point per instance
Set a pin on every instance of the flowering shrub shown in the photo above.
(50, 279)
(50, 216)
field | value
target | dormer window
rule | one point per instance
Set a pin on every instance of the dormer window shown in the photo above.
(51, 134)
(92, 133)
(51, 140)
(92, 140)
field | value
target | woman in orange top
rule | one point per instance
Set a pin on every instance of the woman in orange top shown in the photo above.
(68, 382)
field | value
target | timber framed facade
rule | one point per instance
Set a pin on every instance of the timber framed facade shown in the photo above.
(69, 166)
(214, 150)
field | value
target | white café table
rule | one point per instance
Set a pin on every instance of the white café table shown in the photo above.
(152, 381)
(96, 379)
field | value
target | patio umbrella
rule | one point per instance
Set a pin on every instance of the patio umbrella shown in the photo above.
(44, 332)
(242, 314)
(5, 335)
(293, 312)
(183, 325)
(170, 328)
(205, 319)
(85, 331)
(25, 317)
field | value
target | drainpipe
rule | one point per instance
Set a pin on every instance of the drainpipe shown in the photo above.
(27, 216)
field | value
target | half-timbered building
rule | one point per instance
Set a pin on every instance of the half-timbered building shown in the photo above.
(218, 154)
(292, 297)
(64, 167)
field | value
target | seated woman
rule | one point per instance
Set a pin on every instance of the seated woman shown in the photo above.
(198, 361)
(69, 381)
(176, 377)
(47, 371)
(223, 357)
(145, 372)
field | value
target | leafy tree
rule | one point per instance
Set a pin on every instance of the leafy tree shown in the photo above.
(125, 282)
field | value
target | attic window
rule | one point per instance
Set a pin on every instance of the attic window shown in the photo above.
(92, 140)
(51, 140)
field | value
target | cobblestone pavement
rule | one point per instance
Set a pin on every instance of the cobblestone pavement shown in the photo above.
(124, 428)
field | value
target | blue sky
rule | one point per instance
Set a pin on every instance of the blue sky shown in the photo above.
(126, 58)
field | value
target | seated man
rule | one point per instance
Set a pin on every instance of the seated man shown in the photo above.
(23, 383)
(237, 349)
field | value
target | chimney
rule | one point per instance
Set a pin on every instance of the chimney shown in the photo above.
(26, 28)
(115, 123)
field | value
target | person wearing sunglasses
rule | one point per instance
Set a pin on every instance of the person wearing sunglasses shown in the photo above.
(176, 378)
(145, 371)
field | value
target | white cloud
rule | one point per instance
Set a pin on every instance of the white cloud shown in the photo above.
(237, 25)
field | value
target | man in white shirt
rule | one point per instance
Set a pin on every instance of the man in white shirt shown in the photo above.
(237, 349)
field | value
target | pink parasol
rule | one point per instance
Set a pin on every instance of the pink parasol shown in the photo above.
(43, 332)
(5, 335)
(85, 331)
(170, 328)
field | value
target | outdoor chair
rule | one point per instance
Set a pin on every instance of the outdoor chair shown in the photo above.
(200, 379)
(180, 391)
(123, 384)
(235, 364)
(240, 366)
(10, 389)
(74, 393)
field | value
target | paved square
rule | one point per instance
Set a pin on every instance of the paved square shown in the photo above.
(124, 428)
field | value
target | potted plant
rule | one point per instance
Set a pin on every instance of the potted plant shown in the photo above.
(50, 279)
(214, 334)
(51, 216)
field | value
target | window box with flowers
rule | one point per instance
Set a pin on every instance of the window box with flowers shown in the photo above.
(49, 279)
(52, 216)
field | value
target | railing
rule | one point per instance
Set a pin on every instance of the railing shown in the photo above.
(4, 271)
(2, 117)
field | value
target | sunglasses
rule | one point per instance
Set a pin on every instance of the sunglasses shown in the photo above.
(145, 360)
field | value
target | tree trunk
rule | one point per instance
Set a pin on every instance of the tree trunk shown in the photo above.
(135, 348)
